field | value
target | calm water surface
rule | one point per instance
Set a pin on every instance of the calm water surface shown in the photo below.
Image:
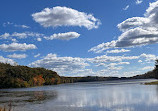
(92, 96)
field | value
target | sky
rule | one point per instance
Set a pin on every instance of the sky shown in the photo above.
(80, 37)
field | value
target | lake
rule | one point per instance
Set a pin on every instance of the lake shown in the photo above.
(118, 95)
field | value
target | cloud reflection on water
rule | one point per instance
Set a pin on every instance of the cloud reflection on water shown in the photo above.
(88, 97)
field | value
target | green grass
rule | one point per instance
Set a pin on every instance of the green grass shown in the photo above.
(151, 83)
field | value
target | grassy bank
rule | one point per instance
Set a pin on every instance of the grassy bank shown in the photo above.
(152, 83)
(9, 108)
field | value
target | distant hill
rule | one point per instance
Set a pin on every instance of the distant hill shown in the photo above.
(23, 76)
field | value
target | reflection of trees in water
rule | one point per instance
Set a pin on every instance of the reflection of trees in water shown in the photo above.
(41, 96)
(157, 90)
(22, 98)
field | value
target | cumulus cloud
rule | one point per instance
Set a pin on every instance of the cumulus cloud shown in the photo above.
(136, 31)
(139, 2)
(115, 68)
(131, 73)
(64, 16)
(82, 73)
(148, 68)
(37, 55)
(75, 66)
(113, 61)
(17, 47)
(17, 56)
(60, 64)
(101, 47)
(38, 36)
(102, 63)
(118, 51)
(7, 60)
(149, 57)
(126, 8)
(22, 35)
(22, 26)
(107, 72)
(132, 23)
(14, 40)
(120, 63)
(39, 39)
(140, 61)
(63, 36)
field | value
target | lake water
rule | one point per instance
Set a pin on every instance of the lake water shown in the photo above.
(93, 96)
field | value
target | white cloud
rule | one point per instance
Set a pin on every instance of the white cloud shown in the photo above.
(23, 35)
(70, 66)
(126, 8)
(17, 47)
(39, 39)
(4, 36)
(130, 73)
(137, 31)
(132, 23)
(75, 66)
(38, 36)
(14, 40)
(101, 47)
(140, 61)
(81, 73)
(148, 68)
(15, 25)
(115, 68)
(63, 16)
(63, 36)
(109, 61)
(22, 26)
(139, 2)
(108, 72)
(37, 55)
(26, 34)
(105, 58)
(149, 57)
(120, 63)
(6, 60)
(102, 63)
(60, 64)
(17, 56)
(117, 51)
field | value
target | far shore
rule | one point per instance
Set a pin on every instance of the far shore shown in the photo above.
(151, 83)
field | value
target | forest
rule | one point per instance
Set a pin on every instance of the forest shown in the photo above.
(23, 76)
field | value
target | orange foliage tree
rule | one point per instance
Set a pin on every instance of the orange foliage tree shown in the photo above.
(38, 80)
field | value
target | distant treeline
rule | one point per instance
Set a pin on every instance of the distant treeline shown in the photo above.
(23, 76)
(149, 75)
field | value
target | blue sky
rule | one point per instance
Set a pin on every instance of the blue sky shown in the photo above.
(80, 38)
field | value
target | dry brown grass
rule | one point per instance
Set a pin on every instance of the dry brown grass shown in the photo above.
(3, 109)
(9, 108)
